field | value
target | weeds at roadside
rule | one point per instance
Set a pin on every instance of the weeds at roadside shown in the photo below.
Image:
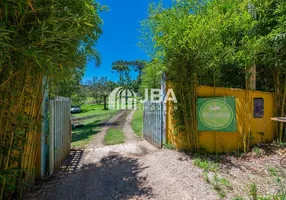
(281, 193)
(253, 191)
(238, 198)
(273, 171)
(169, 146)
(220, 185)
(206, 177)
(257, 151)
(206, 165)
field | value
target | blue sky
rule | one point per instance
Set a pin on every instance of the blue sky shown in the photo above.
(120, 36)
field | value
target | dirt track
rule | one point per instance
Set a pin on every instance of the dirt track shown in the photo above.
(133, 170)
(137, 170)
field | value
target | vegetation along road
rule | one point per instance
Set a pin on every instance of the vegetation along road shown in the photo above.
(221, 63)
(114, 162)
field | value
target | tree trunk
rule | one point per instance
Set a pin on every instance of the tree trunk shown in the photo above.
(105, 102)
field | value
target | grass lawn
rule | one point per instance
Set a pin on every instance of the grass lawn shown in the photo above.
(137, 122)
(114, 136)
(92, 116)
(92, 110)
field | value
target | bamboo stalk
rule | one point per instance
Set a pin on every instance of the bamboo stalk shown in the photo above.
(22, 153)
(184, 115)
(5, 82)
(191, 119)
(2, 157)
(5, 131)
(195, 123)
(7, 126)
(1, 118)
(245, 116)
(186, 123)
(21, 163)
(13, 132)
(21, 178)
(282, 112)
(32, 151)
(277, 100)
(215, 96)
(28, 166)
(1, 115)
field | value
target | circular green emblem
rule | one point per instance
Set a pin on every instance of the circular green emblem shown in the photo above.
(216, 114)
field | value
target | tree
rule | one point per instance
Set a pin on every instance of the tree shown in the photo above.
(138, 66)
(100, 89)
(220, 43)
(106, 88)
(201, 43)
(70, 86)
(271, 59)
(124, 68)
(151, 75)
(94, 89)
(38, 39)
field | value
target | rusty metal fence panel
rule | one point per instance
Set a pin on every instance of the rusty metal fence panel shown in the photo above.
(153, 123)
(60, 132)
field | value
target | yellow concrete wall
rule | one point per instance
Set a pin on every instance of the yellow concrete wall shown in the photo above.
(246, 123)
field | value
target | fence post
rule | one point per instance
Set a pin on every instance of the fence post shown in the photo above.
(164, 91)
(52, 137)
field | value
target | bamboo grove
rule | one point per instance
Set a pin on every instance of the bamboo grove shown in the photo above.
(218, 43)
(39, 40)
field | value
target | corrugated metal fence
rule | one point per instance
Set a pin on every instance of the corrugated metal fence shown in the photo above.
(60, 132)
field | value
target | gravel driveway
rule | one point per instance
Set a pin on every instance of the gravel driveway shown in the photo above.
(133, 170)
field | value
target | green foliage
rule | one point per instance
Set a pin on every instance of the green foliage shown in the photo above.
(195, 43)
(51, 36)
(206, 165)
(100, 88)
(114, 136)
(219, 184)
(253, 191)
(51, 39)
(281, 193)
(169, 146)
(238, 198)
(123, 68)
(206, 177)
(78, 99)
(151, 75)
(273, 171)
(137, 122)
(217, 43)
(257, 151)
(68, 84)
